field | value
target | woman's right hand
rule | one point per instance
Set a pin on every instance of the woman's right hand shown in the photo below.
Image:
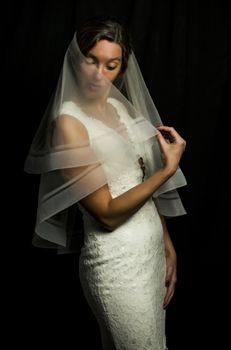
(172, 148)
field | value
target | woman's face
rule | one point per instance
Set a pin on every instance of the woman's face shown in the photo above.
(101, 66)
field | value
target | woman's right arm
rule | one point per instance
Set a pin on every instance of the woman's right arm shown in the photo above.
(112, 212)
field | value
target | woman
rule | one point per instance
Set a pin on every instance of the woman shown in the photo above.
(101, 146)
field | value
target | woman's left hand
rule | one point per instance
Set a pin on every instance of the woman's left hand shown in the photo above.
(171, 277)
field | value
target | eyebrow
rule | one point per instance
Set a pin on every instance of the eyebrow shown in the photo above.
(110, 60)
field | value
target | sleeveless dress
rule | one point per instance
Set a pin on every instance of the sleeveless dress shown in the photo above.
(122, 272)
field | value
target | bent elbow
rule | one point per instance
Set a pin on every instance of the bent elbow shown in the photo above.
(109, 224)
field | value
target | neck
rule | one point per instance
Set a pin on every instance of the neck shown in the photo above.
(98, 106)
(95, 106)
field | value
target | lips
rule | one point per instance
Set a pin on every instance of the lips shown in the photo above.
(94, 87)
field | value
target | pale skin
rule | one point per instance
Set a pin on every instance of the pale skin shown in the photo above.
(113, 212)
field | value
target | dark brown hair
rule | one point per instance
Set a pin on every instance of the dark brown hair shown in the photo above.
(98, 28)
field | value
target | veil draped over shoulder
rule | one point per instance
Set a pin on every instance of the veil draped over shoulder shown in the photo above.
(73, 161)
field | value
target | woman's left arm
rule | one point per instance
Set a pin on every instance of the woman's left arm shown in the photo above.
(171, 264)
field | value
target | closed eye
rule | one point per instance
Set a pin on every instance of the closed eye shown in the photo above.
(91, 60)
(111, 67)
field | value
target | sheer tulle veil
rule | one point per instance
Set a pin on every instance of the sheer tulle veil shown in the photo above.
(72, 168)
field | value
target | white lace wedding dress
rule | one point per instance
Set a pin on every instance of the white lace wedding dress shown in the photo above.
(122, 272)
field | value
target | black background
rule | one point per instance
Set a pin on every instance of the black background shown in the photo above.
(183, 48)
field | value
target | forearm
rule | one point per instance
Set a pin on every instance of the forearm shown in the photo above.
(112, 212)
(171, 264)
(169, 248)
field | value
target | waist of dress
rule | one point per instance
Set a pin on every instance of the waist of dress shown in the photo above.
(142, 228)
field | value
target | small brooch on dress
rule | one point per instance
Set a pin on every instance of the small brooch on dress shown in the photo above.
(142, 166)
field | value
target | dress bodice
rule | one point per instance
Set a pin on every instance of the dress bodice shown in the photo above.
(129, 172)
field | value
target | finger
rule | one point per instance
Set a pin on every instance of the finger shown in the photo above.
(167, 299)
(169, 294)
(161, 139)
(165, 128)
(169, 130)
(170, 284)
(169, 134)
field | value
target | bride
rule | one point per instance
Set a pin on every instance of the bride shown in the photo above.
(101, 148)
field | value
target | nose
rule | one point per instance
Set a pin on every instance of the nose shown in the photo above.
(98, 75)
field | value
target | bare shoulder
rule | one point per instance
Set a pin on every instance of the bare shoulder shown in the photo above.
(66, 122)
(69, 129)
(68, 125)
